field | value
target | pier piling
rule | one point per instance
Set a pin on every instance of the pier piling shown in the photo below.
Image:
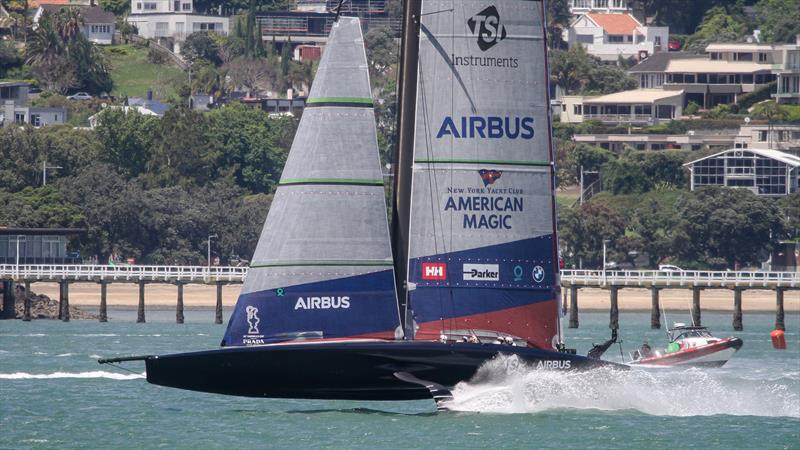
(573, 306)
(696, 319)
(779, 322)
(26, 303)
(655, 309)
(613, 322)
(9, 311)
(64, 301)
(737, 309)
(140, 312)
(218, 316)
(179, 309)
(103, 301)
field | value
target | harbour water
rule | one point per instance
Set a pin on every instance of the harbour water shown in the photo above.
(53, 394)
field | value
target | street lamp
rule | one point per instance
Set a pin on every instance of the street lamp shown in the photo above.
(211, 236)
(605, 241)
(44, 171)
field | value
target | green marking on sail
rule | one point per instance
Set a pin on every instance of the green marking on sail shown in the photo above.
(346, 101)
(360, 263)
(337, 181)
(483, 161)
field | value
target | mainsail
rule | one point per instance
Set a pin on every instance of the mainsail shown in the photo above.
(482, 245)
(323, 265)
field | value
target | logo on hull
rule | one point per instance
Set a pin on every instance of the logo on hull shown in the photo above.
(486, 25)
(481, 272)
(538, 274)
(322, 303)
(434, 271)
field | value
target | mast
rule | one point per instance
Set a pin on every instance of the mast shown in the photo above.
(404, 155)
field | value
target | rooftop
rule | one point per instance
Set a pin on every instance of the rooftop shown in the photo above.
(719, 66)
(634, 96)
(615, 23)
(746, 47)
(777, 155)
(657, 62)
(91, 14)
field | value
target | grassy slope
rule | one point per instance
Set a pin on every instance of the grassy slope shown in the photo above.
(133, 74)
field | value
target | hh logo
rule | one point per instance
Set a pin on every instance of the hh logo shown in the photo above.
(486, 25)
(489, 176)
(434, 271)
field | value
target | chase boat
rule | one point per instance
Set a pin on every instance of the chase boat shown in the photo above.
(689, 346)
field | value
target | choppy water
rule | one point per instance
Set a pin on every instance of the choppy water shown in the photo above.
(53, 394)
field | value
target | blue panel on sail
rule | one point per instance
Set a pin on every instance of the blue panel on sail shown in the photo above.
(360, 306)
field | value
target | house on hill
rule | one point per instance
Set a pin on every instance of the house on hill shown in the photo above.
(98, 24)
(609, 36)
(173, 21)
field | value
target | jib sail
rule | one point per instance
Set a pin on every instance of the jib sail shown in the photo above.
(482, 253)
(323, 265)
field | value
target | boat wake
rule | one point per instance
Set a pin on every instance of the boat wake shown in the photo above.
(507, 385)
(49, 376)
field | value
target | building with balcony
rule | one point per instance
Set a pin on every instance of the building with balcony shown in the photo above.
(610, 36)
(784, 137)
(724, 72)
(692, 141)
(170, 21)
(766, 172)
(577, 7)
(636, 107)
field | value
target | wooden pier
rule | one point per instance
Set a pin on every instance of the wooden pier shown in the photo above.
(571, 280)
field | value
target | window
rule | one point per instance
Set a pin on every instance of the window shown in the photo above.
(762, 57)
(616, 38)
(101, 28)
(742, 56)
(187, 6)
(762, 136)
(139, 6)
(150, 6)
(36, 120)
(19, 118)
(747, 78)
(585, 38)
(176, 5)
(715, 56)
(657, 40)
(601, 3)
(577, 110)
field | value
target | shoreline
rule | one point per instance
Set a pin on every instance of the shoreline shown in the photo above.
(164, 296)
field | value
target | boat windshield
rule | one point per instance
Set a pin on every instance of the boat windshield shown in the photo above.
(694, 334)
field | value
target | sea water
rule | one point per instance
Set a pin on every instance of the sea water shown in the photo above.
(53, 394)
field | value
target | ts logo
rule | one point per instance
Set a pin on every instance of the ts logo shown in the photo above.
(486, 25)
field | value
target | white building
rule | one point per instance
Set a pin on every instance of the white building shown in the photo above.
(173, 19)
(605, 6)
(609, 36)
(784, 137)
(98, 24)
(639, 107)
(770, 173)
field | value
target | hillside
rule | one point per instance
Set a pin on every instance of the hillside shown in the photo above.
(133, 74)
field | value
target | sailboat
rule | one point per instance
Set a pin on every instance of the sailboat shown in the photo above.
(335, 306)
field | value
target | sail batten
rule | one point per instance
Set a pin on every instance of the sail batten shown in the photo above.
(482, 239)
(323, 264)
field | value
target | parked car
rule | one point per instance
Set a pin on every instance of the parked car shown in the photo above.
(669, 268)
(612, 265)
(80, 96)
(674, 45)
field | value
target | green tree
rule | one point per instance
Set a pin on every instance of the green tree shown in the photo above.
(569, 69)
(778, 20)
(558, 18)
(201, 46)
(718, 25)
(722, 227)
(582, 232)
(655, 221)
(181, 154)
(117, 7)
(382, 50)
(127, 137)
(623, 176)
(39, 207)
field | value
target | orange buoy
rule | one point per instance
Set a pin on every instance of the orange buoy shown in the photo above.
(778, 339)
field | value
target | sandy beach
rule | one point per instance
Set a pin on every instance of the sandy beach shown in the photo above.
(630, 299)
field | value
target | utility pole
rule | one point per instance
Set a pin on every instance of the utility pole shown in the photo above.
(44, 171)
(211, 236)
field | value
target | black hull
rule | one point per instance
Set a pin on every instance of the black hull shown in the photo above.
(342, 370)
